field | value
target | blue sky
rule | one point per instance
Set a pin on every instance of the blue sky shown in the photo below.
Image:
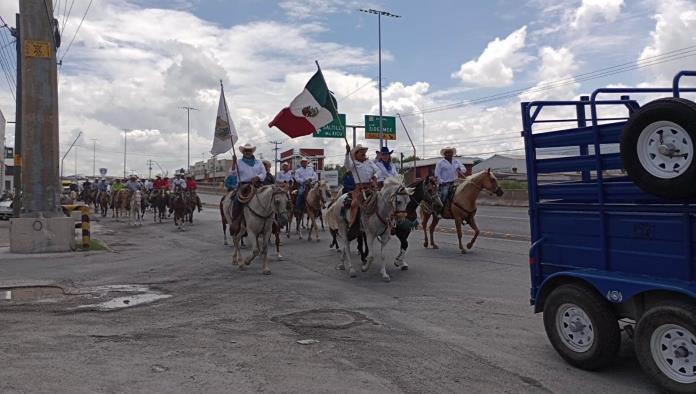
(134, 62)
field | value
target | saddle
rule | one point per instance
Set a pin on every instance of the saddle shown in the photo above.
(240, 197)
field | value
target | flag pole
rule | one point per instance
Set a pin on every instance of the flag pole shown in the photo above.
(229, 124)
(345, 138)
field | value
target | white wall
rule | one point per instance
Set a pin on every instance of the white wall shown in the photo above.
(500, 163)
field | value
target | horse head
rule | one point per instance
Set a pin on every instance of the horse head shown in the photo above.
(490, 183)
(430, 193)
(281, 205)
(398, 194)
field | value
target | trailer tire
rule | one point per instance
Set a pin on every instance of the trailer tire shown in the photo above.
(665, 343)
(581, 326)
(658, 145)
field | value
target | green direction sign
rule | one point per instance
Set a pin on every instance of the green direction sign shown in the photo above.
(335, 129)
(372, 127)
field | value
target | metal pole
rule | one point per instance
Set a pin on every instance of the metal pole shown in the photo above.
(94, 158)
(354, 140)
(423, 151)
(66, 154)
(188, 135)
(125, 145)
(76, 162)
(379, 56)
(17, 202)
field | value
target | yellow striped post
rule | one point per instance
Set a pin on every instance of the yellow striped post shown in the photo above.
(84, 222)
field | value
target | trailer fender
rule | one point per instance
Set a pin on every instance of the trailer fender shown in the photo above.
(615, 288)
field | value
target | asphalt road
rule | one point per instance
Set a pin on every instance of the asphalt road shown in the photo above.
(453, 323)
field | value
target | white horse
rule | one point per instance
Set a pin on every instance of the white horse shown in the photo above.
(136, 204)
(392, 199)
(259, 212)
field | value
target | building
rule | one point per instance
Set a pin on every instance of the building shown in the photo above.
(211, 170)
(3, 186)
(293, 156)
(426, 167)
(507, 164)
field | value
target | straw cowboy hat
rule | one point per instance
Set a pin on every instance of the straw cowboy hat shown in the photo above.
(303, 159)
(445, 149)
(266, 163)
(285, 164)
(247, 146)
(357, 148)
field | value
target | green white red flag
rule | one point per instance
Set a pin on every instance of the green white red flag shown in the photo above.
(312, 109)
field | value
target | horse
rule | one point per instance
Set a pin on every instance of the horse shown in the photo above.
(136, 203)
(225, 207)
(104, 199)
(179, 205)
(376, 216)
(316, 199)
(193, 202)
(158, 200)
(259, 212)
(462, 207)
(121, 203)
(425, 194)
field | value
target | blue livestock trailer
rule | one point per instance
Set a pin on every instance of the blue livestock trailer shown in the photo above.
(612, 205)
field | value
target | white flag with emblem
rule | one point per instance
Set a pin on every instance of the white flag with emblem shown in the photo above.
(225, 132)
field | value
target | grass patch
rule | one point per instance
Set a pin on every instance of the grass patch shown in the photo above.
(95, 244)
(508, 184)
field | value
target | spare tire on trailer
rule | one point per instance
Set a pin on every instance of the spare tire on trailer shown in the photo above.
(658, 147)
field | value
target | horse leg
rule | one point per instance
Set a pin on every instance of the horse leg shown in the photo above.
(298, 219)
(403, 239)
(236, 254)
(458, 225)
(277, 244)
(264, 252)
(432, 232)
(362, 247)
(474, 226)
(384, 239)
(346, 256)
(425, 218)
(321, 219)
(370, 255)
(254, 251)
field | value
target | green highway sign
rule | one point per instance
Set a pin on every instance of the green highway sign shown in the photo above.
(372, 127)
(335, 129)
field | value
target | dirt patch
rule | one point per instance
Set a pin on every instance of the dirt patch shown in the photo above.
(329, 319)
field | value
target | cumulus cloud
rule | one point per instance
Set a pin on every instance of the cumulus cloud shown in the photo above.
(497, 63)
(592, 10)
(675, 29)
(305, 9)
(555, 76)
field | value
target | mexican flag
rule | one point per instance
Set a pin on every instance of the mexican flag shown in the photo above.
(312, 109)
(225, 133)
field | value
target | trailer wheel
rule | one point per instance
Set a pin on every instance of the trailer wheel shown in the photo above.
(581, 326)
(657, 148)
(666, 346)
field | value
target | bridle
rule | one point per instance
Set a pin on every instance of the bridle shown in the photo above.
(276, 191)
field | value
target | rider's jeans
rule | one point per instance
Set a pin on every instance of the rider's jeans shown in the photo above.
(300, 196)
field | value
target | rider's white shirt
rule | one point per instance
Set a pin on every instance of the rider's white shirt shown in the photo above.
(179, 182)
(383, 172)
(362, 171)
(303, 174)
(284, 177)
(247, 173)
(446, 171)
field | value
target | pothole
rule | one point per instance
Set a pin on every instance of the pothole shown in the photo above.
(330, 319)
(100, 298)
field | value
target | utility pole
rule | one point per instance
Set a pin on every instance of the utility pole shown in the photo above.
(379, 37)
(149, 167)
(276, 149)
(38, 109)
(17, 201)
(94, 158)
(62, 166)
(188, 135)
(125, 140)
(76, 163)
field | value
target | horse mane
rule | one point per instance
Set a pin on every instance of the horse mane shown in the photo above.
(471, 178)
(394, 181)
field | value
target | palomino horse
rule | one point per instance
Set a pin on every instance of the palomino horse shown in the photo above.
(425, 194)
(316, 199)
(462, 206)
(376, 221)
(121, 203)
(136, 204)
(269, 202)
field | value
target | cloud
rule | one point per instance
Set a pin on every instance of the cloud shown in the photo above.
(555, 76)
(496, 65)
(592, 10)
(306, 9)
(675, 29)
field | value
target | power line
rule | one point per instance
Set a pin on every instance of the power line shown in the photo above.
(76, 31)
(65, 17)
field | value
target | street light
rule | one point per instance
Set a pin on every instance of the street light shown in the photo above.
(188, 135)
(379, 36)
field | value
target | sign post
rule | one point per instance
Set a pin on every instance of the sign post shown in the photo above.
(335, 129)
(372, 129)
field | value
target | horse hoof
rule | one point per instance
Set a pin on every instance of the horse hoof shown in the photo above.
(435, 246)
(353, 274)
(469, 246)
(404, 267)
(267, 272)
(341, 267)
(280, 258)
(463, 251)
(386, 279)
(225, 243)
(242, 267)
(425, 245)
(317, 240)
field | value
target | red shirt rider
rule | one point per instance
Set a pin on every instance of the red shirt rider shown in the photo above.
(190, 183)
(167, 183)
(158, 183)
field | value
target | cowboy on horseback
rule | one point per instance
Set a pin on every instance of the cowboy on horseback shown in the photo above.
(133, 183)
(191, 187)
(365, 173)
(270, 179)
(304, 175)
(385, 166)
(102, 187)
(250, 172)
(159, 183)
(179, 183)
(446, 171)
(285, 175)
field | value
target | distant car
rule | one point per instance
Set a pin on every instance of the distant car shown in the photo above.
(6, 210)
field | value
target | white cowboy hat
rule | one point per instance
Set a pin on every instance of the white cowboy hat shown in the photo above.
(357, 148)
(285, 164)
(247, 146)
(303, 159)
(445, 149)
(267, 163)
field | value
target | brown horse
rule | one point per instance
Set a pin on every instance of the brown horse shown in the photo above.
(121, 203)
(461, 206)
(104, 199)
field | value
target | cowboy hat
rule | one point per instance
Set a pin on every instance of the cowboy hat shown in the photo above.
(357, 148)
(445, 149)
(385, 151)
(303, 159)
(266, 163)
(286, 164)
(247, 146)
